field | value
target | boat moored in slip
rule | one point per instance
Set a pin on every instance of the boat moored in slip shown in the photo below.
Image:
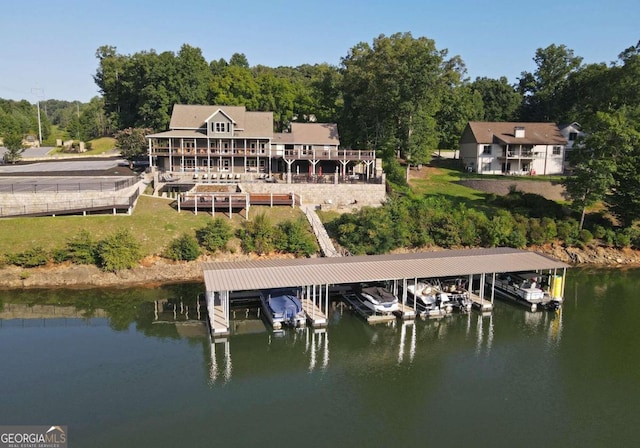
(378, 299)
(429, 300)
(524, 288)
(283, 308)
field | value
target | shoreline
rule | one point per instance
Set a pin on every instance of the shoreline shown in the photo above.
(154, 271)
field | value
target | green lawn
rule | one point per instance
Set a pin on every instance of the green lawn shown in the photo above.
(153, 221)
(442, 180)
(99, 146)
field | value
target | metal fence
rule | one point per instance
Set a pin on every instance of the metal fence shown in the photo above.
(67, 187)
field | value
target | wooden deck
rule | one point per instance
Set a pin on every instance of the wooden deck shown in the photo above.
(406, 312)
(315, 316)
(482, 305)
(235, 201)
(218, 324)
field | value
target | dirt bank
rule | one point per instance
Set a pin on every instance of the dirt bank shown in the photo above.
(154, 271)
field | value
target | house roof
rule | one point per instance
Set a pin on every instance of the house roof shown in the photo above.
(247, 124)
(503, 132)
(310, 134)
(279, 273)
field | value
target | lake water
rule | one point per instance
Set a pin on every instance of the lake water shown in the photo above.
(114, 367)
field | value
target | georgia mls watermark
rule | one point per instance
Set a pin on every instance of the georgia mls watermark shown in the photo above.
(33, 437)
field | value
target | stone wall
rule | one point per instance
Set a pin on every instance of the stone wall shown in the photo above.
(326, 195)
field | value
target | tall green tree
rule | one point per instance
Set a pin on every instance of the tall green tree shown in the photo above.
(541, 89)
(391, 89)
(500, 100)
(132, 142)
(13, 142)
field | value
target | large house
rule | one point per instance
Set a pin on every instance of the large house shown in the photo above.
(512, 148)
(212, 141)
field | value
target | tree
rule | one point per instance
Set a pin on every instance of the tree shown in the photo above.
(541, 89)
(239, 60)
(132, 142)
(15, 148)
(392, 90)
(500, 100)
(623, 135)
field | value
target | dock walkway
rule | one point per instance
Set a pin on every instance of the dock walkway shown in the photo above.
(315, 316)
(482, 305)
(326, 245)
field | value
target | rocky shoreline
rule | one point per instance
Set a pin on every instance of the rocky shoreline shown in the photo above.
(154, 271)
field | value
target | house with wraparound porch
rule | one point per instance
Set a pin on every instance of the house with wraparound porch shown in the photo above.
(231, 145)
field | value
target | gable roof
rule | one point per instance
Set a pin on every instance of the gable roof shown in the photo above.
(312, 134)
(250, 124)
(488, 132)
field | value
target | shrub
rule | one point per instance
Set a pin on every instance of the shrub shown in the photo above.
(36, 256)
(622, 239)
(294, 237)
(118, 251)
(215, 235)
(184, 247)
(585, 236)
(257, 235)
(599, 231)
(568, 231)
(82, 249)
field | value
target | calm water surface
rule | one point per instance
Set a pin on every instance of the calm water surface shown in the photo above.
(114, 367)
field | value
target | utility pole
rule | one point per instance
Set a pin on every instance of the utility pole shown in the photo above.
(39, 94)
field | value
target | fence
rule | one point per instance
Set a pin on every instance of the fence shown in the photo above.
(67, 187)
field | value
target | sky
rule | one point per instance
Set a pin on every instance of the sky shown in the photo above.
(47, 47)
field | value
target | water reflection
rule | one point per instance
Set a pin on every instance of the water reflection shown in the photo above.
(253, 348)
(484, 338)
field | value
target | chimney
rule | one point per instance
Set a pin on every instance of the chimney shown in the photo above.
(518, 132)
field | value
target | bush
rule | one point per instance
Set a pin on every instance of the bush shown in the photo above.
(82, 249)
(295, 238)
(183, 248)
(215, 235)
(258, 235)
(118, 251)
(568, 231)
(599, 231)
(36, 256)
(585, 236)
(622, 239)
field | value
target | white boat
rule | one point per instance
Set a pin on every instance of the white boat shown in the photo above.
(283, 308)
(379, 299)
(430, 299)
(521, 287)
(458, 294)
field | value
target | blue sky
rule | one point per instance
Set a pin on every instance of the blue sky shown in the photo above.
(47, 47)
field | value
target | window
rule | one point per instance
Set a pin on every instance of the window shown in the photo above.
(486, 167)
(557, 150)
(220, 126)
(573, 136)
(486, 149)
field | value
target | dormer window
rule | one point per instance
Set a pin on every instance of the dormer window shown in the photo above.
(220, 127)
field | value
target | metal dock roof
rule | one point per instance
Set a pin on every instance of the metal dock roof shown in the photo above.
(278, 273)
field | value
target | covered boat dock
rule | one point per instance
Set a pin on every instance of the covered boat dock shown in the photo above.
(316, 276)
